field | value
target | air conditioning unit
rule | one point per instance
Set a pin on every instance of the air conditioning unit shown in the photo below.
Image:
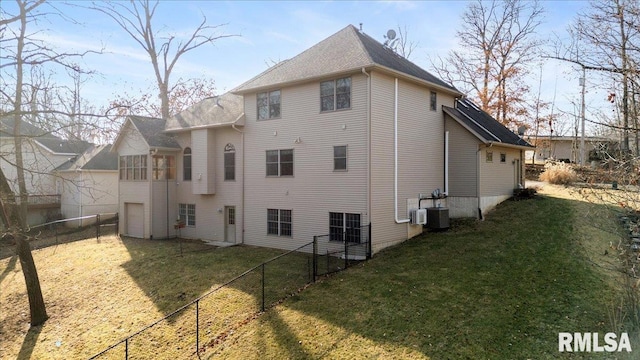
(418, 216)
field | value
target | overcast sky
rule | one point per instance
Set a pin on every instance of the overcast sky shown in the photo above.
(271, 31)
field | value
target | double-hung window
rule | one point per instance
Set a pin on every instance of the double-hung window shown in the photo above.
(279, 222)
(339, 158)
(186, 164)
(344, 227)
(335, 94)
(280, 162)
(187, 213)
(229, 162)
(268, 105)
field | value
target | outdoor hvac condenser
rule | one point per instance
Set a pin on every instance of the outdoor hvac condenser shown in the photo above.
(438, 218)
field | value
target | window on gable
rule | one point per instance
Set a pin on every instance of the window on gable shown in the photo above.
(339, 158)
(280, 162)
(186, 164)
(187, 213)
(268, 105)
(335, 94)
(229, 162)
(434, 101)
(279, 222)
(489, 156)
(133, 167)
(503, 157)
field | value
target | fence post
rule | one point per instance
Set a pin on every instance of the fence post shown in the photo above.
(263, 281)
(315, 258)
(97, 226)
(197, 326)
(346, 250)
(117, 224)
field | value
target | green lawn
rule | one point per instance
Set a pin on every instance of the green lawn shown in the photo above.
(501, 288)
(498, 289)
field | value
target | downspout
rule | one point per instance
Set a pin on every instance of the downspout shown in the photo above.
(446, 163)
(233, 126)
(80, 204)
(395, 154)
(368, 143)
(478, 178)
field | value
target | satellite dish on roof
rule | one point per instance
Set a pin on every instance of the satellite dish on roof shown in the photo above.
(521, 130)
(391, 34)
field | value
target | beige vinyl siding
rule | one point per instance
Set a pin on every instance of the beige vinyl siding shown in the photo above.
(315, 189)
(210, 220)
(463, 160)
(498, 178)
(164, 211)
(420, 153)
(203, 156)
(132, 143)
(86, 193)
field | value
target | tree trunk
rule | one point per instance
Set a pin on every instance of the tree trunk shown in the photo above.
(37, 307)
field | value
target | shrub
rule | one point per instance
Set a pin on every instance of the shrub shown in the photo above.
(558, 173)
(522, 194)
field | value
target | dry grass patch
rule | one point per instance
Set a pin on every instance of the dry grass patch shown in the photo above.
(99, 292)
(559, 173)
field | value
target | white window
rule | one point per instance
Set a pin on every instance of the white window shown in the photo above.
(268, 105)
(187, 214)
(186, 164)
(279, 222)
(133, 167)
(335, 94)
(344, 227)
(280, 162)
(339, 158)
(229, 162)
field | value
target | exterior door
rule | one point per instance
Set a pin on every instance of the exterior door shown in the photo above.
(230, 224)
(135, 220)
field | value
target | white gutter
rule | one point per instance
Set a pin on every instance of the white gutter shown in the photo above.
(395, 154)
(446, 163)
(368, 143)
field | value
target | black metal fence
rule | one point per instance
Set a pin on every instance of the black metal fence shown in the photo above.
(207, 320)
(86, 227)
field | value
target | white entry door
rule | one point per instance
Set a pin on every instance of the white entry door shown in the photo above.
(230, 224)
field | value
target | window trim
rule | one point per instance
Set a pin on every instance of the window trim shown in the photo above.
(344, 219)
(128, 169)
(279, 163)
(433, 101)
(229, 149)
(187, 154)
(268, 98)
(187, 214)
(346, 157)
(334, 96)
(280, 214)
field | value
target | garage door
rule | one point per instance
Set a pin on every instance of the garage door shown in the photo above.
(135, 220)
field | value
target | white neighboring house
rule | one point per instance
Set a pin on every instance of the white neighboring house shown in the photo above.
(343, 139)
(42, 152)
(88, 185)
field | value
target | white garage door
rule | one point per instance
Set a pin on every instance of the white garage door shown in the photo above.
(135, 220)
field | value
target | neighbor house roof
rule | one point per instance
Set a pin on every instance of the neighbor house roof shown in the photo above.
(97, 157)
(482, 125)
(348, 50)
(47, 140)
(216, 111)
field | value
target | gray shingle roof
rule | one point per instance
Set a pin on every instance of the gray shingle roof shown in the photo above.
(345, 51)
(26, 128)
(45, 138)
(214, 111)
(482, 124)
(63, 146)
(97, 157)
(152, 129)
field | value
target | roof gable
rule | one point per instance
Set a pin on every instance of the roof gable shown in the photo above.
(151, 130)
(482, 125)
(345, 51)
(97, 157)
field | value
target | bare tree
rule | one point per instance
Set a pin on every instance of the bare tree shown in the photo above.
(136, 19)
(22, 54)
(498, 42)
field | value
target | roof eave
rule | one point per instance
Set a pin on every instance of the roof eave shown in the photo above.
(509, 145)
(237, 122)
(418, 80)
